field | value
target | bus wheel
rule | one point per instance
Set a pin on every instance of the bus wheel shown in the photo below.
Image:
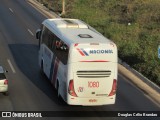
(58, 90)
(41, 69)
(6, 93)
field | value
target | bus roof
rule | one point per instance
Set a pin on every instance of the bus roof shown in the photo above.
(74, 31)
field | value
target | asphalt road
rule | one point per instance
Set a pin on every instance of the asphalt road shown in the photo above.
(28, 89)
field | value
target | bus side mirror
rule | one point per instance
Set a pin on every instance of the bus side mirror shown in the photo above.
(38, 33)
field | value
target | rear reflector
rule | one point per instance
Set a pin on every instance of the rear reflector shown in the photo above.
(75, 44)
(114, 88)
(71, 89)
(6, 82)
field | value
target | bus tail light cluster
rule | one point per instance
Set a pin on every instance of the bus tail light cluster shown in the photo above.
(71, 89)
(114, 88)
(6, 82)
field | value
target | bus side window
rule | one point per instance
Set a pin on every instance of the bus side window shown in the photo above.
(64, 47)
(51, 40)
(62, 51)
(53, 43)
(58, 44)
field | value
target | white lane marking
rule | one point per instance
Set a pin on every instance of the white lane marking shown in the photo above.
(30, 32)
(11, 66)
(11, 10)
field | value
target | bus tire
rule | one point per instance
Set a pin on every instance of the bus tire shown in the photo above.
(58, 95)
(6, 93)
(41, 69)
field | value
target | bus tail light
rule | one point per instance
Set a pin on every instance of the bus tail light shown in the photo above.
(114, 88)
(71, 89)
(6, 82)
(75, 44)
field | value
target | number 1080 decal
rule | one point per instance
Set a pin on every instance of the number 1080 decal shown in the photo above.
(94, 84)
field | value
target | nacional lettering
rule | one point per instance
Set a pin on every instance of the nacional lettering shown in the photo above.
(100, 51)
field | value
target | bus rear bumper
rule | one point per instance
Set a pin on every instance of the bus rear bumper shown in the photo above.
(91, 101)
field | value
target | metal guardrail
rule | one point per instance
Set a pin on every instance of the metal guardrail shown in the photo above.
(140, 76)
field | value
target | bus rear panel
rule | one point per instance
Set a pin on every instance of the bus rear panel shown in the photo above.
(92, 74)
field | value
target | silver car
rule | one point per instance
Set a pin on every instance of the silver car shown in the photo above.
(3, 82)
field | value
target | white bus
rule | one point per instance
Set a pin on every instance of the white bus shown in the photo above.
(79, 61)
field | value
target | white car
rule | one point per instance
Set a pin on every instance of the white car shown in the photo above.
(3, 82)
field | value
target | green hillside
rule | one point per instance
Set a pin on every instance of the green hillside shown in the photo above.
(134, 25)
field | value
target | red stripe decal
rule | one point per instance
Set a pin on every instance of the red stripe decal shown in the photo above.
(80, 52)
(55, 70)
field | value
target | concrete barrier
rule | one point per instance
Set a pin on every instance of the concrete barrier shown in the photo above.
(42, 9)
(139, 83)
